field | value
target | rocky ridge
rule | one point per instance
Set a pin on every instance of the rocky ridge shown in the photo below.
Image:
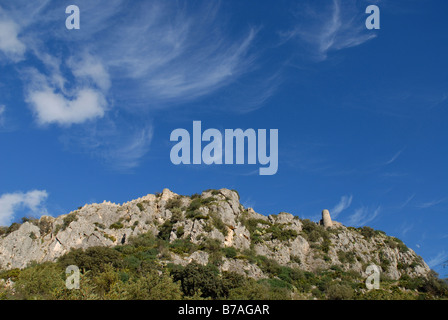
(215, 214)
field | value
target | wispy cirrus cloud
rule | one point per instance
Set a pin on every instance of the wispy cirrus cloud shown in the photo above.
(175, 54)
(11, 202)
(343, 204)
(2, 116)
(11, 46)
(405, 228)
(439, 259)
(118, 144)
(394, 158)
(430, 204)
(165, 54)
(407, 201)
(338, 26)
(362, 216)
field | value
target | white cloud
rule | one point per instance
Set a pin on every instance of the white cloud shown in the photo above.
(52, 102)
(2, 117)
(164, 55)
(362, 216)
(10, 44)
(406, 202)
(405, 228)
(432, 203)
(121, 146)
(127, 155)
(173, 54)
(395, 157)
(91, 68)
(441, 257)
(32, 200)
(345, 202)
(51, 107)
(337, 27)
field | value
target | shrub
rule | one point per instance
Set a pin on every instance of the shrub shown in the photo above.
(12, 274)
(196, 278)
(30, 220)
(45, 226)
(173, 203)
(195, 215)
(117, 225)
(14, 227)
(325, 246)
(195, 204)
(218, 223)
(313, 232)
(3, 231)
(230, 252)
(93, 258)
(296, 259)
(367, 232)
(180, 231)
(249, 290)
(66, 221)
(346, 256)
(110, 237)
(152, 286)
(339, 292)
(182, 246)
(145, 240)
(140, 206)
(213, 247)
(40, 281)
(100, 225)
(165, 230)
(279, 232)
(268, 265)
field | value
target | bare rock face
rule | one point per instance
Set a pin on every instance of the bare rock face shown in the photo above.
(216, 215)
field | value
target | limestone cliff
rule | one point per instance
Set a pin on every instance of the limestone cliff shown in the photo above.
(215, 214)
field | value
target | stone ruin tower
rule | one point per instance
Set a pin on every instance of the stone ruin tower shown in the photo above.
(326, 219)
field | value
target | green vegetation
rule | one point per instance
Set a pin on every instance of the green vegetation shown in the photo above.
(318, 236)
(396, 243)
(218, 223)
(100, 225)
(261, 230)
(142, 268)
(346, 257)
(117, 225)
(135, 271)
(141, 206)
(66, 221)
(166, 228)
(173, 203)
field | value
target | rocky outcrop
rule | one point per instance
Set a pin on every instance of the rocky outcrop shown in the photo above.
(218, 215)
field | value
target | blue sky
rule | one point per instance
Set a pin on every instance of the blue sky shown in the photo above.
(86, 115)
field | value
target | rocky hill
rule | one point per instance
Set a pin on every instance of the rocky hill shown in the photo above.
(192, 225)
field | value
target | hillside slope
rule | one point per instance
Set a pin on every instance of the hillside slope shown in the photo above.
(211, 229)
